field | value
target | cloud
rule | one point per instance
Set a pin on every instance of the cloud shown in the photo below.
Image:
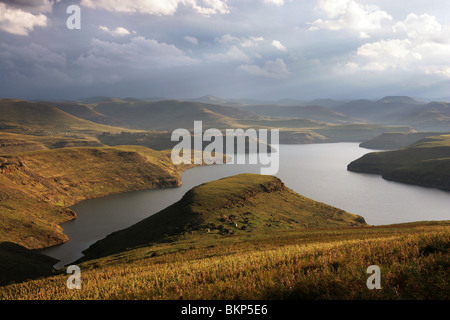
(138, 54)
(350, 15)
(32, 6)
(118, 32)
(419, 27)
(275, 2)
(272, 69)
(19, 22)
(191, 40)
(32, 63)
(425, 48)
(233, 54)
(158, 7)
(277, 44)
(251, 41)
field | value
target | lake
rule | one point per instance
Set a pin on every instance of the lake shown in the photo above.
(317, 171)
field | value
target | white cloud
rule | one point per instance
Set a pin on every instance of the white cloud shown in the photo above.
(233, 54)
(118, 32)
(139, 53)
(350, 15)
(275, 2)
(243, 42)
(419, 27)
(425, 48)
(390, 49)
(272, 69)
(191, 40)
(158, 7)
(277, 44)
(17, 21)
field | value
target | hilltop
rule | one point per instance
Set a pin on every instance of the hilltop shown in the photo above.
(246, 205)
(425, 163)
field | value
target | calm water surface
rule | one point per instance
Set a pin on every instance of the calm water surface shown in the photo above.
(317, 171)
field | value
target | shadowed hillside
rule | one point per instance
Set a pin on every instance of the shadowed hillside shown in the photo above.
(425, 163)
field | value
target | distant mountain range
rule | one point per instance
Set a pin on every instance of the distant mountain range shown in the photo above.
(166, 115)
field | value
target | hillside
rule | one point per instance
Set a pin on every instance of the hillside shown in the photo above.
(313, 112)
(84, 111)
(24, 117)
(433, 116)
(396, 140)
(37, 187)
(19, 264)
(170, 115)
(245, 205)
(11, 143)
(425, 163)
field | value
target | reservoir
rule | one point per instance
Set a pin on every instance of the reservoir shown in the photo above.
(317, 171)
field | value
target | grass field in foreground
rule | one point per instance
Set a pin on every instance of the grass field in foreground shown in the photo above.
(315, 264)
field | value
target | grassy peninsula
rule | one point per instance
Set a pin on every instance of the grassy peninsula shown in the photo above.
(242, 206)
(425, 163)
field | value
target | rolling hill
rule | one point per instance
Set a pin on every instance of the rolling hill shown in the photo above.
(425, 163)
(245, 205)
(170, 115)
(433, 116)
(36, 188)
(313, 112)
(20, 116)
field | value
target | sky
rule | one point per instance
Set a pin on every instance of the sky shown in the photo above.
(258, 49)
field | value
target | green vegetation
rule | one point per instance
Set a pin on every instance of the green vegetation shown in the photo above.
(245, 205)
(310, 264)
(37, 187)
(396, 140)
(425, 163)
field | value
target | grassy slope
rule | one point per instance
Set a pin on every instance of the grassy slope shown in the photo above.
(19, 116)
(309, 264)
(37, 187)
(170, 115)
(425, 163)
(313, 112)
(11, 143)
(245, 205)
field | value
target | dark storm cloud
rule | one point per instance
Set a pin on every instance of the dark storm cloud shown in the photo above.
(31, 5)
